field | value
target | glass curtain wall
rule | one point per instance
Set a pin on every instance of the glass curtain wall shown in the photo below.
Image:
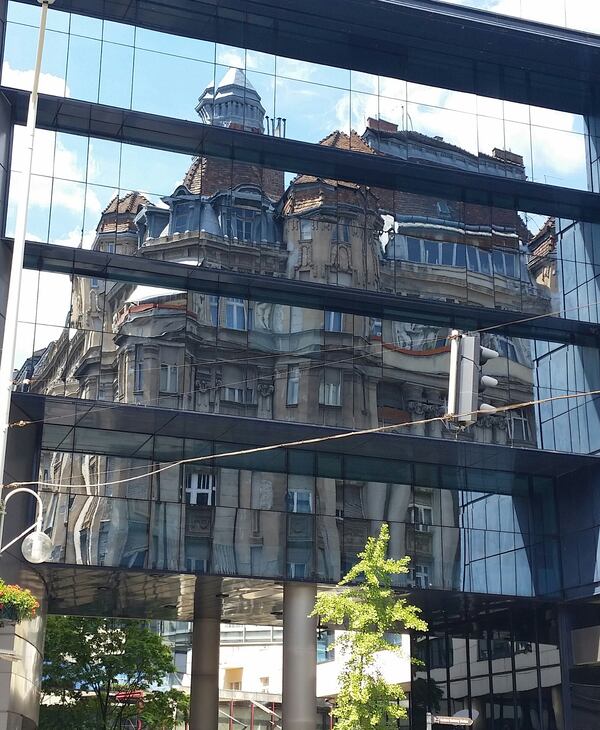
(293, 515)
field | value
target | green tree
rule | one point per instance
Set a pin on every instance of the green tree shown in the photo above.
(369, 608)
(165, 710)
(88, 660)
(76, 714)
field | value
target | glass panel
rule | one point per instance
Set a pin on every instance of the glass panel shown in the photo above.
(264, 94)
(234, 514)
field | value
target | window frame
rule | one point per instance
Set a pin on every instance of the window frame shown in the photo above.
(293, 501)
(242, 395)
(213, 304)
(517, 416)
(333, 321)
(418, 573)
(192, 563)
(292, 394)
(242, 222)
(342, 230)
(236, 308)
(422, 512)
(329, 388)
(292, 568)
(209, 489)
(416, 245)
(305, 227)
(170, 385)
(138, 369)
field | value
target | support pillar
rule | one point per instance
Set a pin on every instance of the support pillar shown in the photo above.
(565, 646)
(299, 708)
(206, 638)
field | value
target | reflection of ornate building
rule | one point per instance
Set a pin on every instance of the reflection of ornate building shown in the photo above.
(503, 541)
(189, 350)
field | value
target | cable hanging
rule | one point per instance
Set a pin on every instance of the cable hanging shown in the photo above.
(306, 442)
(21, 423)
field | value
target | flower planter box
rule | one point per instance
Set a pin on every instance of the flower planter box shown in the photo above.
(16, 604)
(8, 613)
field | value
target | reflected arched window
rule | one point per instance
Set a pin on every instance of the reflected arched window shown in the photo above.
(242, 224)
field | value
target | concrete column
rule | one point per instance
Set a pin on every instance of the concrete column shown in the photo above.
(567, 662)
(299, 657)
(206, 638)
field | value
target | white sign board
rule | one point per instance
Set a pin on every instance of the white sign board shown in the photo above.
(456, 721)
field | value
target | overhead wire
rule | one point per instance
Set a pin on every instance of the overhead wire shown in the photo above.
(214, 388)
(305, 442)
(24, 422)
(243, 361)
(325, 363)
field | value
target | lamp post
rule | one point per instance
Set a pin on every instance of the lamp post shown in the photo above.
(37, 546)
(7, 362)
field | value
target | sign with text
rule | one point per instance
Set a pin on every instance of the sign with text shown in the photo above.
(445, 720)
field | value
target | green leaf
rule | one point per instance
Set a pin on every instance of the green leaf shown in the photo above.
(92, 658)
(368, 606)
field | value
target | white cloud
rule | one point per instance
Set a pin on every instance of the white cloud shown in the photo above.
(77, 238)
(43, 308)
(579, 14)
(51, 156)
(292, 68)
(550, 146)
(237, 58)
(49, 84)
(233, 59)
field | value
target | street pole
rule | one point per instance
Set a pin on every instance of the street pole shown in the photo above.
(7, 362)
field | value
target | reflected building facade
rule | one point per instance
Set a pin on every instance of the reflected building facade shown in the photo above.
(186, 350)
(161, 376)
(143, 344)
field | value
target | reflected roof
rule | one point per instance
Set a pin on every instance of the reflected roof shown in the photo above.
(235, 77)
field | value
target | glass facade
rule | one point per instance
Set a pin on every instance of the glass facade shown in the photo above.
(125, 342)
(299, 516)
(506, 672)
(136, 68)
(221, 300)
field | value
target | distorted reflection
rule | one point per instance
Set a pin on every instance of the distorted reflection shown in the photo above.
(259, 523)
(509, 676)
(146, 344)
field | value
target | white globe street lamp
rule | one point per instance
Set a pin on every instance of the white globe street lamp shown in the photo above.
(37, 546)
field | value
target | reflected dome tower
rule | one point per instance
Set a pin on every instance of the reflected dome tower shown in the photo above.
(233, 103)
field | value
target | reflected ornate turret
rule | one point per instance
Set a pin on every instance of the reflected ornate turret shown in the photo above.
(233, 103)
